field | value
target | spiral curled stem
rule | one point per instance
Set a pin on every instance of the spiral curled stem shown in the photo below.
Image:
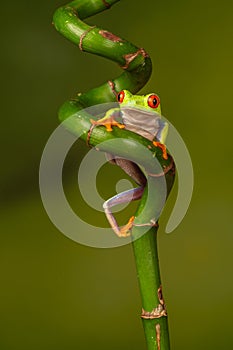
(136, 66)
(134, 61)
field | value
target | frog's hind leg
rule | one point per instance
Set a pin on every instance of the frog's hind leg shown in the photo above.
(131, 169)
(124, 197)
(137, 175)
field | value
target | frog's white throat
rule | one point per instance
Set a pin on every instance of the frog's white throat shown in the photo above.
(141, 121)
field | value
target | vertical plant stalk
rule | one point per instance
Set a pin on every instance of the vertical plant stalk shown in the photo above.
(147, 264)
(154, 313)
(136, 66)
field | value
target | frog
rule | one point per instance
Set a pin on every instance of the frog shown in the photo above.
(140, 114)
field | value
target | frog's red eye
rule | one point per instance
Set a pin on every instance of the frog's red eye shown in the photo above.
(153, 101)
(121, 96)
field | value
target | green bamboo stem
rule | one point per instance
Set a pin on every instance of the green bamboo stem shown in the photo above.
(136, 65)
(147, 265)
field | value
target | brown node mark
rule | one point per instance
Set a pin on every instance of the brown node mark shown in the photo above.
(158, 311)
(158, 336)
(110, 36)
(131, 56)
(112, 86)
(166, 170)
(80, 45)
(89, 135)
(106, 4)
(160, 295)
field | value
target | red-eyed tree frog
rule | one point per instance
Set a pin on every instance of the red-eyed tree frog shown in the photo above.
(142, 115)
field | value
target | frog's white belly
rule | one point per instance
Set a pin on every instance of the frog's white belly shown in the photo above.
(141, 122)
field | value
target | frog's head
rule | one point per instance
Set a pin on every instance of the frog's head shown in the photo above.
(140, 113)
(149, 103)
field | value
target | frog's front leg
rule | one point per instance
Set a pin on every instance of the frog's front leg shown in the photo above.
(162, 147)
(161, 138)
(108, 120)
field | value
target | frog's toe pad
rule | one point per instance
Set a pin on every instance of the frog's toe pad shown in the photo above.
(125, 230)
(108, 123)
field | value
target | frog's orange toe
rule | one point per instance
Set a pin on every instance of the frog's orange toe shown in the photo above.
(119, 125)
(108, 123)
(162, 147)
(105, 123)
(125, 230)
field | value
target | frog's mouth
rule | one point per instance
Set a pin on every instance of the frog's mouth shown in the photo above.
(137, 109)
(141, 121)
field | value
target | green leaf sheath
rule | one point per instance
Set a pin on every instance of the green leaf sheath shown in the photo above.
(136, 66)
(134, 61)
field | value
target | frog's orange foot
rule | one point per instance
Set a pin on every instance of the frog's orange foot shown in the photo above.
(162, 147)
(125, 230)
(108, 123)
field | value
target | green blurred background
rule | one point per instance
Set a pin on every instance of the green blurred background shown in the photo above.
(57, 294)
